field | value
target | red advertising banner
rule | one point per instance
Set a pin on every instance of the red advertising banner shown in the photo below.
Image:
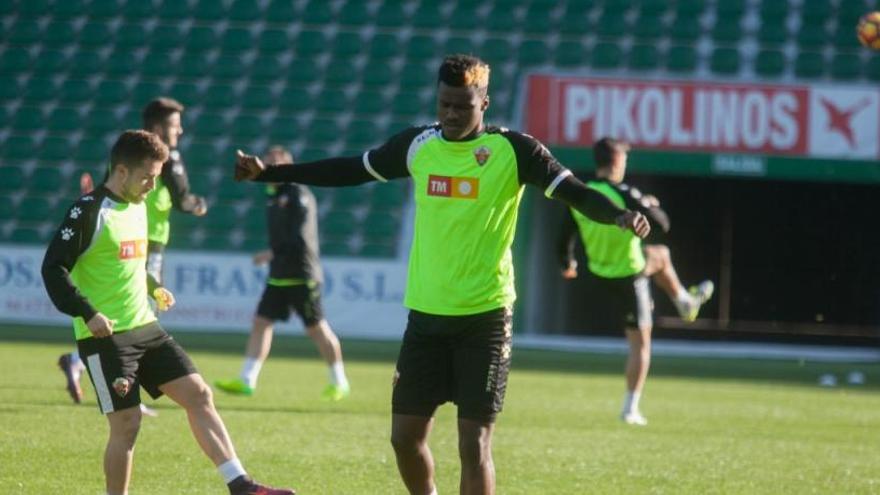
(800, 120)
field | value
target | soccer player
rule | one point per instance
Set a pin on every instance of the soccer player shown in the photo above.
(161, 116)
(94, 271)
(620, 267)
(295, 279)
(468, 179)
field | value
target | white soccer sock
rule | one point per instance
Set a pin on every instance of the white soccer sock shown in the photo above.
(337, 374)
(231, 469)
(250, 371)
(631, 402)
(434, 491)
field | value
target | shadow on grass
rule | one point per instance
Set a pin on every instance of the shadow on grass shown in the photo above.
(762, 371)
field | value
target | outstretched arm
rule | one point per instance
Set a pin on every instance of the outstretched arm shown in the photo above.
(332, 172)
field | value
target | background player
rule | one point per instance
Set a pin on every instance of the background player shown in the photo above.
(295, 279)
(468, 180)
(94, 271)
(620, 266)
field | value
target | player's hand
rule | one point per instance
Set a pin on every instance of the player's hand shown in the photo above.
(650, 201)
(635, 222)
(247, 167)
(100, 326)
(201, 207)
(263, 257)
(164, 298)
(570, 272)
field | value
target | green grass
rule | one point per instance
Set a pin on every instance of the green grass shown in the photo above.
(717, 426)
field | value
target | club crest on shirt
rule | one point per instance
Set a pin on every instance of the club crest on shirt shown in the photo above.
(121, 385)
(482, 155)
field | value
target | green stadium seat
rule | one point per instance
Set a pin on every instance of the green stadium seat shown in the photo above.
(496, 51)
(50, 62)
(34, 209)
(102, 120)
(26, 235)
(770, 63)
(725, 61)
(727, 31)
(331, 101)
(459, 44)
(729, 10)
(416, 77)
(387, 197)
(809, 65)
(14, 59)
(28, 119)
(407, 104)
(575, 19)
(643, 57)
(219, 96)
(11, 178)
(337, 224)
(532, 53)
(59, 34)
(384, 46)
(173, 10)
(65, 119)
(845, 38)
(46, 180)
(54, 149)
(322, 132)
(186, 93)
(611, 24)
(7, 208)
(68, 9)
(192, 65)
(220, 216)
(24, 32)
(812, 37)
(138, 11)
(501, 21)
(772, 34)
(200, 39)
(245, 11)
(121, 63)
(103, 9)
(75, 91)
(370, 102)
(110, 92)
(95, 34)
(274, 41)
(294, 101)
(231, 191)
(258, 98)
(39, 91)
(200, 152)
(331, 248)
(235, 40)
(91, 151)
(391, 15)
(570, 54)
(649, 28)
(428, 15)
(157, 64)
(465, 17)
(318, 13)
(774, 12)
(846, 66)
(872, 68)
(371, 250)
(167, 37)
(340, 74)
(10, 88)
(690, 8)
(247, 127)
(653, 8)
(228, 68)
(606, 56)
(816, 11)
(380, 227)
(346, 45)
(310, 43)
(209, 11)
(378, 79)
(681, 59)
(362, 135)
(284, 128)
(85, 63)
(538, 20)
(849, 12)
(684, 29)
(355, 14)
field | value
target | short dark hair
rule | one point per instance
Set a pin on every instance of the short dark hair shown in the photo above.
(605, 149)
(159, 109)
(135, 148)
(464, 71)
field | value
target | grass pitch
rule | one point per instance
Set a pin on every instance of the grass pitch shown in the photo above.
(716, 426)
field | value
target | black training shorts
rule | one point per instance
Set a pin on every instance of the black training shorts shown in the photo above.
(618, 304)
(463, 359)
(305, 299)
(119, 365)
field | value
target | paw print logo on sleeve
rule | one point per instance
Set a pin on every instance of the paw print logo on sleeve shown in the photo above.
(66, 233)
(75, 212)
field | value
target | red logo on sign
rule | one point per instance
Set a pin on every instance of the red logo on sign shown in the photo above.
(133, 249)
(841, 120)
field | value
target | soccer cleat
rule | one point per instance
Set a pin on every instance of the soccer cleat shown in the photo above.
(699, 293)
(65, 362)
(235, 386)
(334, 393)
(243, 485)
(634, 418)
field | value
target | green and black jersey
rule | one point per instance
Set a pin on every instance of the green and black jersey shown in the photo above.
(292, 218)
(611, 251)
(96, 263)
(467, 194)
(172, 190)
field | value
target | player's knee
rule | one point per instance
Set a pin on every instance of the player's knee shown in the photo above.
(474, 450)
(202, 396)
(126, 425)
(403, 442)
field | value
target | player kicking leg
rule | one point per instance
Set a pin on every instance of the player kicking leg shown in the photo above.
(658, 266)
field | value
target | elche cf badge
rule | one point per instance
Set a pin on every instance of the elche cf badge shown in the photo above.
(482, 155)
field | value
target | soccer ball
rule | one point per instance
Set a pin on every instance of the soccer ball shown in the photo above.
(868, 30)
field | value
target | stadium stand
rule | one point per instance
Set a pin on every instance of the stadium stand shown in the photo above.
(323, 78)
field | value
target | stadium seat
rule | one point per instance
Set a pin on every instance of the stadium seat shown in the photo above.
(575, 19)
(172, 10)
(235, 40)
(340, 74)
(649, 29)
(34, 209)
(809, 65)
(605, 56)
(245, 11)
(846, 66)
(310, 43)
(274, 41)
(50, 62)
(59, 34)
(46, 180)
(538, 20)
(120, 63)
(84, 64)
(293, 101)
(166, 37)
(102, 120)
(75, 91)
(28, 119)
(14, 59)
(68, 9)
(26, 235)
(570, 54)
(200, 39)
(7, 208)
(872, 68)
(770, 63)
(220, 216)
(497, 51)
(406, 104)
(95, 34)
(816, 12)
(459, 44)
(350, 198)
(91, 151)
(284, 128)
(812, 36)
(54, 149)
(501, 21)
(532, 53)
(138, 11)
(773, 12)
(681, 59)
(611, 24)
(727, 31)
(355, 14)
(104, 9)
(110, 92)
(247, 127)
(725, 61)
(730, 10)
(185, 93)
(685, 29)
(465, 17)
(643, 57)
(65, 119)
(24, 32)
(280, 13)
(39, 91)
(391, 15)
(322, 131)
(332, 101)
(371, 250)
(11, 178)
(428, 15)
(219, 96)
(318, 13)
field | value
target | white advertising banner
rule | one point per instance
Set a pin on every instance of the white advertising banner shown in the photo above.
(220, 291)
